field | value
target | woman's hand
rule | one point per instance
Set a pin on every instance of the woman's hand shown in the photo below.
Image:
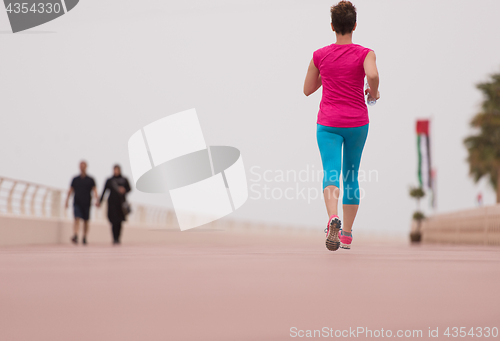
(371, 96)
(121, 189)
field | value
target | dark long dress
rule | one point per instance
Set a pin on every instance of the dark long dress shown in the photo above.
(115, 201)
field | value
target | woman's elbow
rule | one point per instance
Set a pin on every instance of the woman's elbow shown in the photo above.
(310, 89)
(372, 75)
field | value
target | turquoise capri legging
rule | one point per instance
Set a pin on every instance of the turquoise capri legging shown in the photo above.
(330, 140)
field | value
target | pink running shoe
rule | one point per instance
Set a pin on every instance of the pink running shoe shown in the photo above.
(345, 241)
(332, 233)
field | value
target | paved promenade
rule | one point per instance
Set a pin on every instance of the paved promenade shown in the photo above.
(221, 285)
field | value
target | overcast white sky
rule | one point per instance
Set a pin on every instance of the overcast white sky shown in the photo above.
(78, 87)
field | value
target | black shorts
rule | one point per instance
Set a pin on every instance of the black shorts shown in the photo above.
(81, 212)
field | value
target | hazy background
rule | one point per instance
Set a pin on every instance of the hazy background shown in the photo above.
(80, 86)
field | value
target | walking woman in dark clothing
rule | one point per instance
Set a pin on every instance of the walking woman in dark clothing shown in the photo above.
(118, 187)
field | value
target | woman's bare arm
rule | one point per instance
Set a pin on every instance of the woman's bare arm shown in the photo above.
(313, 79)
(370, 66)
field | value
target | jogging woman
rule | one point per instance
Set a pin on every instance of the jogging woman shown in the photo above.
(342, 124)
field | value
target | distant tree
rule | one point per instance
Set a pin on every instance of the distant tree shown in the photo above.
(484, 148)
(417, 193)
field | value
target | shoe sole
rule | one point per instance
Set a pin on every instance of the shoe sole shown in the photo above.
(332, 240)
(345, 246)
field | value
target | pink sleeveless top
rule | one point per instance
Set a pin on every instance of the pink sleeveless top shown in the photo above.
(342, 74)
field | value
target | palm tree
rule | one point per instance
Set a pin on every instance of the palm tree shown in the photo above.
(484, 148)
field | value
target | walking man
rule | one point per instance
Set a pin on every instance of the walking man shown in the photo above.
(81, 185)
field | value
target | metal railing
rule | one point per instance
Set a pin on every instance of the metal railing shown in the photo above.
(27, 199)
